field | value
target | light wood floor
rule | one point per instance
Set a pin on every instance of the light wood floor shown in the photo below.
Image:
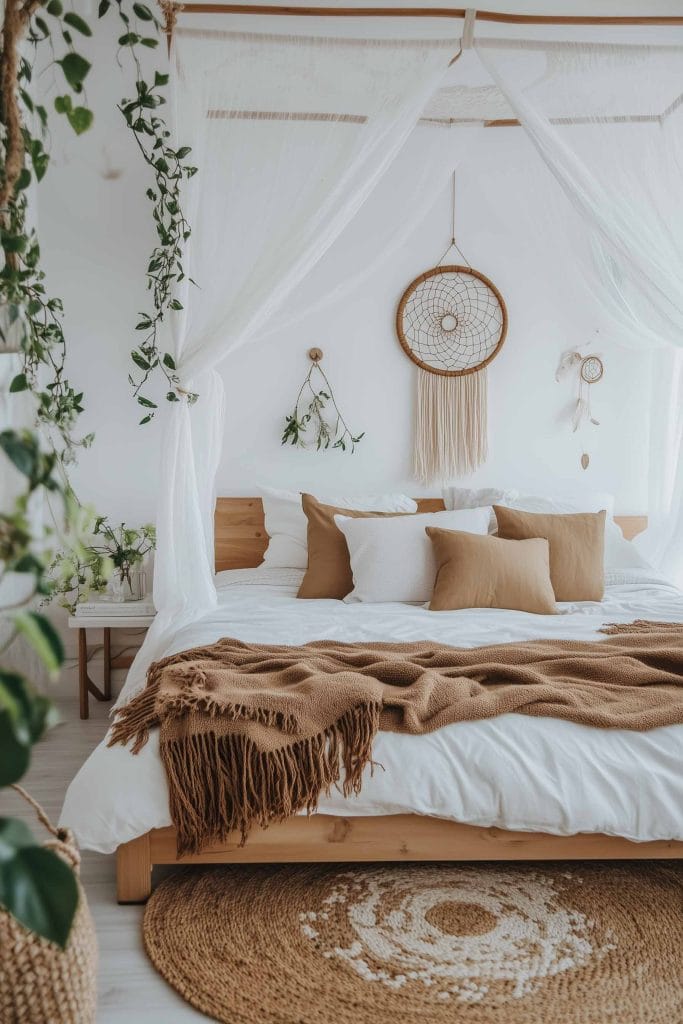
(130, 990)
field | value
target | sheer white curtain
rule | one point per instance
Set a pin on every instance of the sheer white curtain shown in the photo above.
(414, 182)
(291, 134)
(607, 121)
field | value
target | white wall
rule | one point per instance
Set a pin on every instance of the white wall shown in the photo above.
(96, 234)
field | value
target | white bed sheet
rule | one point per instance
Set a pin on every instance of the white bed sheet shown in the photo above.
(514, 771)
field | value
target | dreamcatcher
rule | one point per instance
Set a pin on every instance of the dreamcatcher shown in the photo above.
(451, 322)
(590, 370)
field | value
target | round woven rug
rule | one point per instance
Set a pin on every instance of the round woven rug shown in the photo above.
(384, 944)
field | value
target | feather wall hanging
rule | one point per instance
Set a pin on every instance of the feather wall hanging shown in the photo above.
(451, 322)
(590, 369)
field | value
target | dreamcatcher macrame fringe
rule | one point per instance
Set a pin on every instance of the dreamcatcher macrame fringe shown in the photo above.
(451, 425)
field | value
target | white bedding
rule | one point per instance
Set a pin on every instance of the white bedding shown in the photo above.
(517, 772)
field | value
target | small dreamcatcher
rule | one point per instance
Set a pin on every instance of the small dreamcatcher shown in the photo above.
(590, 369)
(451, 322)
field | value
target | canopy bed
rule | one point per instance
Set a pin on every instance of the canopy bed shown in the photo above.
(331, 116)
(129, 791)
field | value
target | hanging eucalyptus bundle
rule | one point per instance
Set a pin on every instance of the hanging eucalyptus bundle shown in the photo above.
(316, 421)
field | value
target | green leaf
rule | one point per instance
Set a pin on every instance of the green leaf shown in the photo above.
(24, 179)
(140, 360)
(19, 383)
(103, 8)
(76, 22)
(15, 749)
(62, 104)
(171, 396)
(143, 12)
(36, 885)
(75, 69)
(146, 402)
(150, 43)
(145, 419)
(175, 304)
(55, 8)
(169, 361)
(80, 119)
(183, 152)
(160, 79)
(42, 636)
(21, 451)
(14, 835)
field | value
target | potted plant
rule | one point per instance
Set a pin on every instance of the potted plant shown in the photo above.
(111, 557)
(44, 917)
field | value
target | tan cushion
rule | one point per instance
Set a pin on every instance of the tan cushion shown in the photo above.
(329, 565)
(487, 572)
(577, 548)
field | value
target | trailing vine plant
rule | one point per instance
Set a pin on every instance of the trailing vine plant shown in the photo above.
(170, 168)
(318, 424)
(31, 318)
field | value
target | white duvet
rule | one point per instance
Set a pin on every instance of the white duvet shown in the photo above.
(516, 772)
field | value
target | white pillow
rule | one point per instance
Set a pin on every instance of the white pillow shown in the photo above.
(466, 497)
(393, 559)
(286, 524)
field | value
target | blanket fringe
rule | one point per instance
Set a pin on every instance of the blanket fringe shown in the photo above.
(222, 784)
(639, 626)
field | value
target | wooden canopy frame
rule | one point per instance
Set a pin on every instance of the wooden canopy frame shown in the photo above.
(500, 17)
(241, 540)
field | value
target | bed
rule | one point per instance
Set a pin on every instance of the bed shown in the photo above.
(509, 788)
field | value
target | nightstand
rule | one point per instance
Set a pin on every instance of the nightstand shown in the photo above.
(105, 622)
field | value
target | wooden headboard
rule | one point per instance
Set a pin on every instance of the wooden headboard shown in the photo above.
(241, 537)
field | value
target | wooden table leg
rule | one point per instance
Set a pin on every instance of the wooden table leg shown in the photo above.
(85, 683)
(107, 663)
(83, 673)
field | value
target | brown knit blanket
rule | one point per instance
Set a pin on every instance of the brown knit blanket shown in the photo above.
(253, 733)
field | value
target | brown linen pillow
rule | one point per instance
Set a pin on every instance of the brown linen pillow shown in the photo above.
(329, 565)
(577, 548)
(475, 571)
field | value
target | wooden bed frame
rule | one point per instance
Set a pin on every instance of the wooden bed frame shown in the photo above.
(241, 540)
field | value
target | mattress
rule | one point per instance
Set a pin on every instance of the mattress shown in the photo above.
(513, 771)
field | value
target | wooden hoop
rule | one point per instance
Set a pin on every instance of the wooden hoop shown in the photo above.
(595, 359)
(449, 269)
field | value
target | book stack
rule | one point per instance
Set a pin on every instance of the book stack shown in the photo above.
(115, 608)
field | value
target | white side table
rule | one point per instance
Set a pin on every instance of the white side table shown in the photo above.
(105, 622)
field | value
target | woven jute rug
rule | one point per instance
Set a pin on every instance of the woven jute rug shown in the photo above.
(394, 944)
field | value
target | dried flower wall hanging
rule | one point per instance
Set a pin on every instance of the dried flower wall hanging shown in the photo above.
(316, 421)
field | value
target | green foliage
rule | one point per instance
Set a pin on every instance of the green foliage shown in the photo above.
(79, 571)
(314, 419)
(36, 886)
(170, 169)
(30, 318)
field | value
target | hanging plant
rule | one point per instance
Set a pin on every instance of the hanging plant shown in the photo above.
(316, 421)
(31, 319)
(169, 168)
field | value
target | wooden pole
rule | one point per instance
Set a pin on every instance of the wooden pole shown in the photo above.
(432, 12)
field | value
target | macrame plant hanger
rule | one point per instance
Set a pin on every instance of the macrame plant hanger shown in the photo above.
(451, 322)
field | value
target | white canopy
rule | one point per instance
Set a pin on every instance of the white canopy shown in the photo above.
(292, 132)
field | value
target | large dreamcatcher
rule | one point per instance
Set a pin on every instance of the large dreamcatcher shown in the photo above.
(451, 321)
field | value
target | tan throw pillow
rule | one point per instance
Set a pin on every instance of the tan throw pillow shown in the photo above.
(329, 565)
(486, 572)
(577, 548)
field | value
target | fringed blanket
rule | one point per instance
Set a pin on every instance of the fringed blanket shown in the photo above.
(253, 733)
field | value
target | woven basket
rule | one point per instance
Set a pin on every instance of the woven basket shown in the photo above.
(39, 982)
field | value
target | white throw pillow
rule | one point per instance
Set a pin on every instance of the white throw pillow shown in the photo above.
(286, 524)
(393, 559)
